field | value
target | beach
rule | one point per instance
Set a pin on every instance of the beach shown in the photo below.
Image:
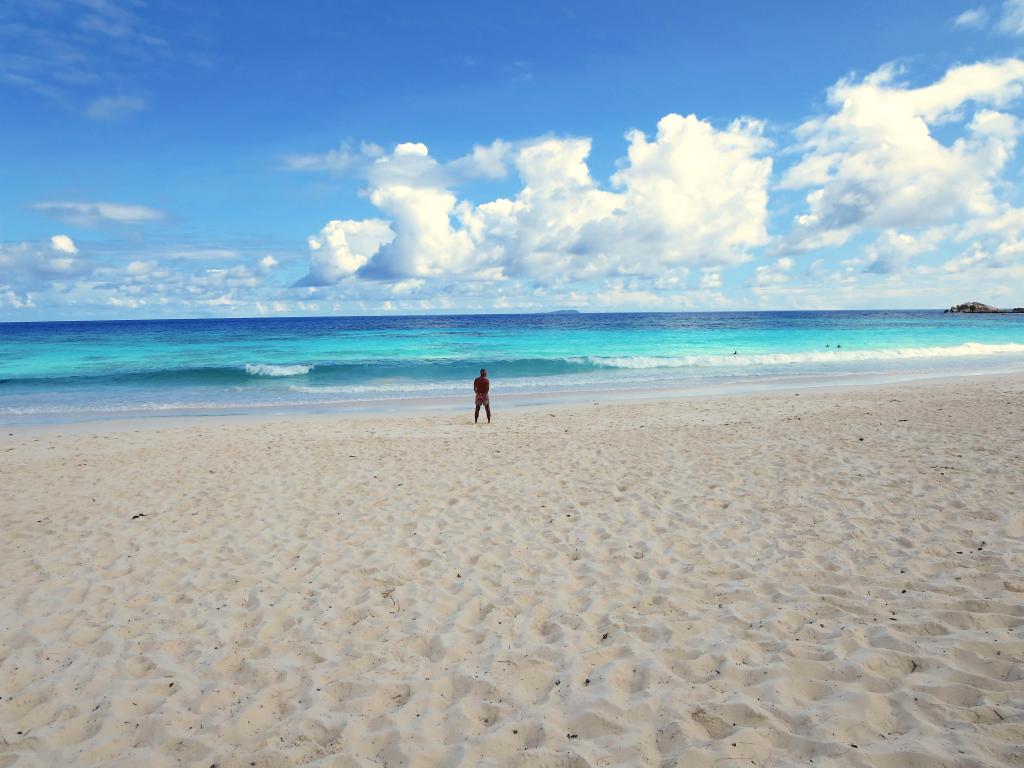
(805, 577)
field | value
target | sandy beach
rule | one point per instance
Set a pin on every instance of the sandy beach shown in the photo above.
(812, 578)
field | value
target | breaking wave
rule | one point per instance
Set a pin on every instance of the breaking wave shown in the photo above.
(969, 349)
(261, 369)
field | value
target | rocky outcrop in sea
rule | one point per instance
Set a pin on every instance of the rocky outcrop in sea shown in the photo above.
(978, 307)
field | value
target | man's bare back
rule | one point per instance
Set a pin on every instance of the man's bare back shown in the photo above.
(482, 388)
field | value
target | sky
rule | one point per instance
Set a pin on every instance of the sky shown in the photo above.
(192, 159)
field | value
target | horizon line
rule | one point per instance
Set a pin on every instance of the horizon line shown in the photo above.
(487, 314)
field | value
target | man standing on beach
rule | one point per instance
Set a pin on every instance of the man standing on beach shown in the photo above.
(482, 388)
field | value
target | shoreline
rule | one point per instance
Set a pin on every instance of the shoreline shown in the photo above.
(416, 407)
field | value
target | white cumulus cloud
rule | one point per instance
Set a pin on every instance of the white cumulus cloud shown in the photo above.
(490, 162)
(772, 274)
(691, 195)
(892, 252)
(63, 243)
(876, 163)
(710, 280)
(34, 266)
(341, 248)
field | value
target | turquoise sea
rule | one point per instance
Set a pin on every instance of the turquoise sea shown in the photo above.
(68, 371)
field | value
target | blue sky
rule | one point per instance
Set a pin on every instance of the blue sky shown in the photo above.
(173, 159)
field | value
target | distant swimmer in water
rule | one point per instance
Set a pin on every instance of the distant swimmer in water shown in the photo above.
(482, 388)
(734, 351)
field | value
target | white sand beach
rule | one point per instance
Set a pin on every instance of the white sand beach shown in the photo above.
(823, 578)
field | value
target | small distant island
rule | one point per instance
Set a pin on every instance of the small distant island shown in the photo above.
(971, 307)
(562, 312)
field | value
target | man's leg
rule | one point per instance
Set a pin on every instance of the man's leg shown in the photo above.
(476, 414)
(487, 405)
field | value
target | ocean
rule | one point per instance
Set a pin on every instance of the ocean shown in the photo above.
(69, 371)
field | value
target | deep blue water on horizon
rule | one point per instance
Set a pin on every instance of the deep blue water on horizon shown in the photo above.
(72, 370)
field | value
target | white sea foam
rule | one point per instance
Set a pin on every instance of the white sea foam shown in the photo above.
(124, 408)
(261, 369)
(970, 349)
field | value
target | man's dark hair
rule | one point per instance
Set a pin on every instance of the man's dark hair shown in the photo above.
(483, 371)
